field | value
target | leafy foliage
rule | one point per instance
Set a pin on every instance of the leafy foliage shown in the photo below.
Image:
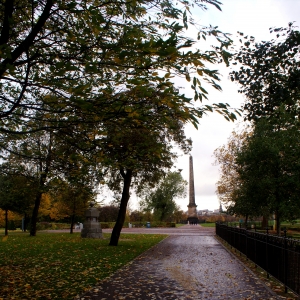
(267, 165)
(225, 157)
(71, 59)
(269, 75)
(162, 198)
(269, 169)
(260, 173)
(91, 81)
(108, 213)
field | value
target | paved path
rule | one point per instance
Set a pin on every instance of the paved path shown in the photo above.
(189, 264)
(184, 230)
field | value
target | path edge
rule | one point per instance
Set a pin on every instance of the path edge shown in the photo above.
(248, 269)
(79, 296)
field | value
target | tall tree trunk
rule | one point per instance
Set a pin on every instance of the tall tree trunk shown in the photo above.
(277, 223)
(72, 222)
(246, 221)
(73, 214)
(6, 222)
(265, 222)
(42, 180)
(115, 235)
(35, 212)
(26, 219)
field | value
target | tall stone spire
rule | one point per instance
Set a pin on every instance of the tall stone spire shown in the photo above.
(192, 210)
(191, 184)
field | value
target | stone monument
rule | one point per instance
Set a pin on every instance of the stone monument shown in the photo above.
(91, 226)
(192, 210)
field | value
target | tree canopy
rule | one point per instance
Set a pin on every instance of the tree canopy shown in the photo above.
(89, 86)
(65, 57)
(266, 166)
(162, 198)
(269, 73)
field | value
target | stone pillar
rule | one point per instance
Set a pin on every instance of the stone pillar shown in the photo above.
(91, 226)
(192, 207)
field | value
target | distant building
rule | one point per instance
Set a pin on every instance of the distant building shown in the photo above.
(207, 212)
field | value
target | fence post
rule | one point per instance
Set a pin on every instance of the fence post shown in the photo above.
(246, 232)
(267, 261)
(255, 254)
(285, 262)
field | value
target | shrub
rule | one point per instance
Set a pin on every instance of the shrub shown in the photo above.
(105, 225)
(11, 225)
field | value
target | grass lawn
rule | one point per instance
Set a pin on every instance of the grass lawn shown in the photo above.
(208, 224)
(179, 225)
(62, 265)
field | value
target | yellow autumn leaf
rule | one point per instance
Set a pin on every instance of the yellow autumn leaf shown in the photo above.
(117, 60)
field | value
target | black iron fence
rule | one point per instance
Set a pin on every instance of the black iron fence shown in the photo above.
(278, 256)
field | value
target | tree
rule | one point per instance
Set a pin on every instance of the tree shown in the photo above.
(230, 186)
(179, 215)
(162, 199)
(225, 157)
(138, 156)
(76, 78)
(71, 197)
(62, 57)
(108, 213)
(269, 169)
(16, 192)
(44, 156)
(269, 76)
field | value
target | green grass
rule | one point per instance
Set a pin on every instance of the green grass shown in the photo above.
(62, 265)
(179, 225)
(208, 224)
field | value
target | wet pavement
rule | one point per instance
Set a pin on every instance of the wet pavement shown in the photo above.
(189, 264)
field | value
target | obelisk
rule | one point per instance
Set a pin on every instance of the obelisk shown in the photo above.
(192, 210)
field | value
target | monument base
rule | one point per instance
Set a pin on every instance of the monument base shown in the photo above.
(192, 220)
(93, 231)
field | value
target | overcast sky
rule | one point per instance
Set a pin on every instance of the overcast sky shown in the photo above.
(252, 17)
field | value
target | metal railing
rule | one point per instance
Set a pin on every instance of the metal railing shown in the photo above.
(278, 256)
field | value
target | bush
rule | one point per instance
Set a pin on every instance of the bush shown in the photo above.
(11, 225)
(105, 225)
(43, 225)
(51, 226)
(60, 226)
(293, 228)
(170, 224)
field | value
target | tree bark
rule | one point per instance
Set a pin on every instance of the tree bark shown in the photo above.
(278, 231)
(25, 222)
(35, 213)
(246, 221)
(6, 222)
(72, 222)
(265, 222)
(115, 235)
(43, 177)
(29, 39)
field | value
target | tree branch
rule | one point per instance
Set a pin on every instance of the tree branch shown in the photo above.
(28, 41)
(8, 10)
